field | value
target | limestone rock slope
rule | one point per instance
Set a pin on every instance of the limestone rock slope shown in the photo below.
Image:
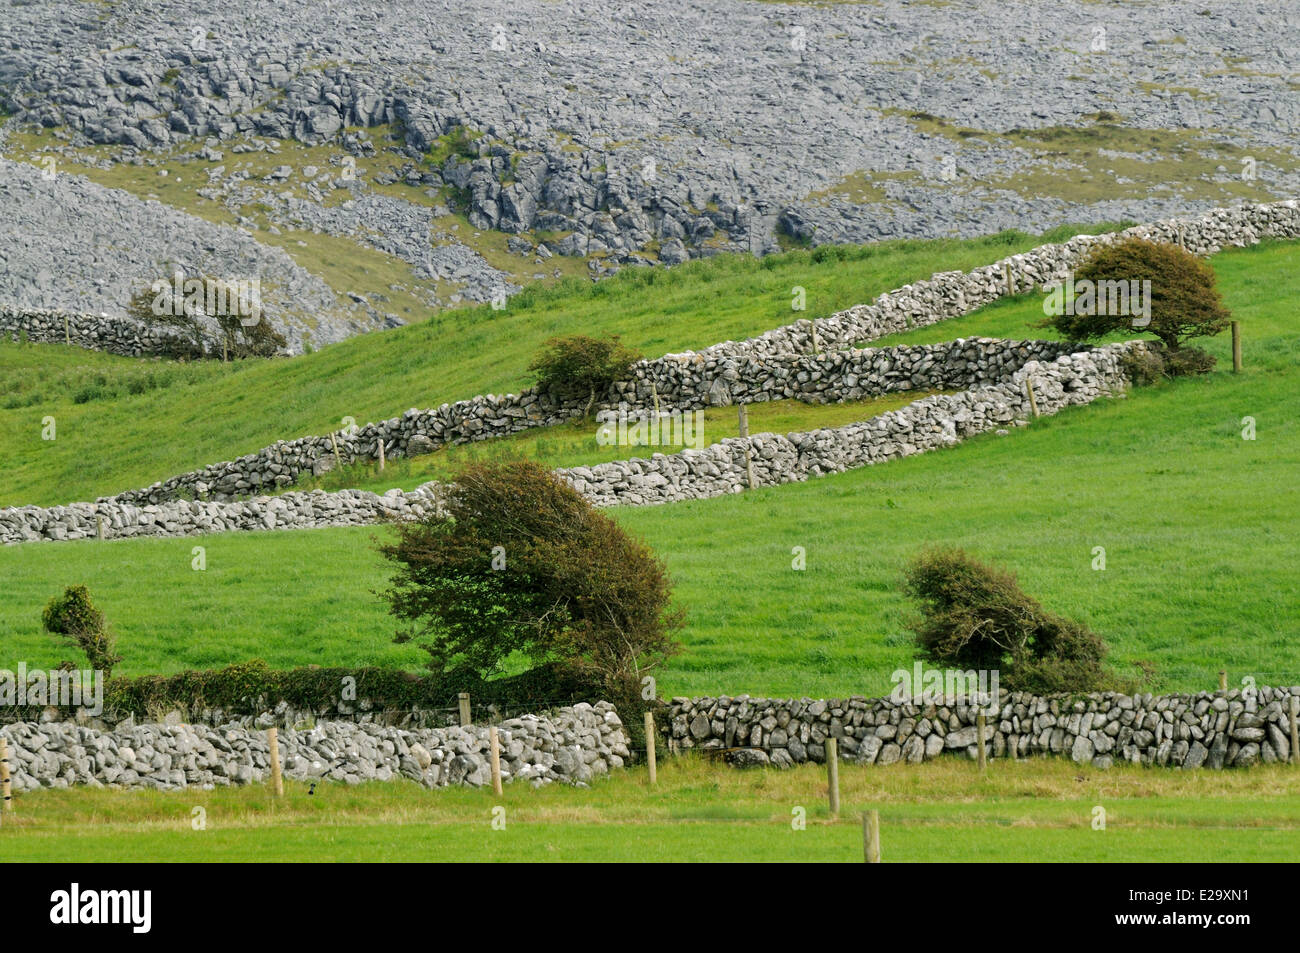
(73, 245)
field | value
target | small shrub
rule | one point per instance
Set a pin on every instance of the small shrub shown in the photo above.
(576, 365)
(976, 616)
(1185, 361)
(1144, 367)
(74, 617)
(1155, 362)
(233, 337)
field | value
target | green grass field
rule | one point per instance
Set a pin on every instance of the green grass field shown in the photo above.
(943, 810)
(1200, 529)
(1199, 526)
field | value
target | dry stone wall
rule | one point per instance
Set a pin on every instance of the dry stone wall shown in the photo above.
(1232, 729)
(926, 424)
(953, 293)
(678, 383)
(774, 366)
(124, 336)
(938, 421)
(572, 745)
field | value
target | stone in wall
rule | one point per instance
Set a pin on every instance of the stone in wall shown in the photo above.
(114, 335)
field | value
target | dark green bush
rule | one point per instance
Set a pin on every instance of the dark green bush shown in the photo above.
(976, 616)
(1186, 361)
(235, 339)
(74, 617)
(1156, 361)
(579, 365)
(1145, 366)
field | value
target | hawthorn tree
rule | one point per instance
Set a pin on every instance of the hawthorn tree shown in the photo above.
(159, 306)
(1184, 301)
(521, 562)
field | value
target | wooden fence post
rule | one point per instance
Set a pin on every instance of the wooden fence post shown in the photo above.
(1236, 347)
(1033, 400)
(1011, 281)
(1223, 679)
(277, 779)
(871, 836)
(381, 454)
(67, 334)
(494, 746)
(338, 461)
(6, 788)
(979, 737)
(650, 748)
(1295, 737)
(466, 718)
(99, 526)
(833, 775)
(743, 423)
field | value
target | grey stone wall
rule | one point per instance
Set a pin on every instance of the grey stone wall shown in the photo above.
(953, 293)
(116, 335)
(942, 420)
(678, 383)
(926, 424)
(572, 745)
(1213, 730)
(774, 366)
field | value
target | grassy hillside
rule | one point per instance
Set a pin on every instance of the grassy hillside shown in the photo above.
(1201, 530)
(123, 423)
(937, 811)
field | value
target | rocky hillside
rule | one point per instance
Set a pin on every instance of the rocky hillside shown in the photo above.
(653, 133)
(74, 245)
